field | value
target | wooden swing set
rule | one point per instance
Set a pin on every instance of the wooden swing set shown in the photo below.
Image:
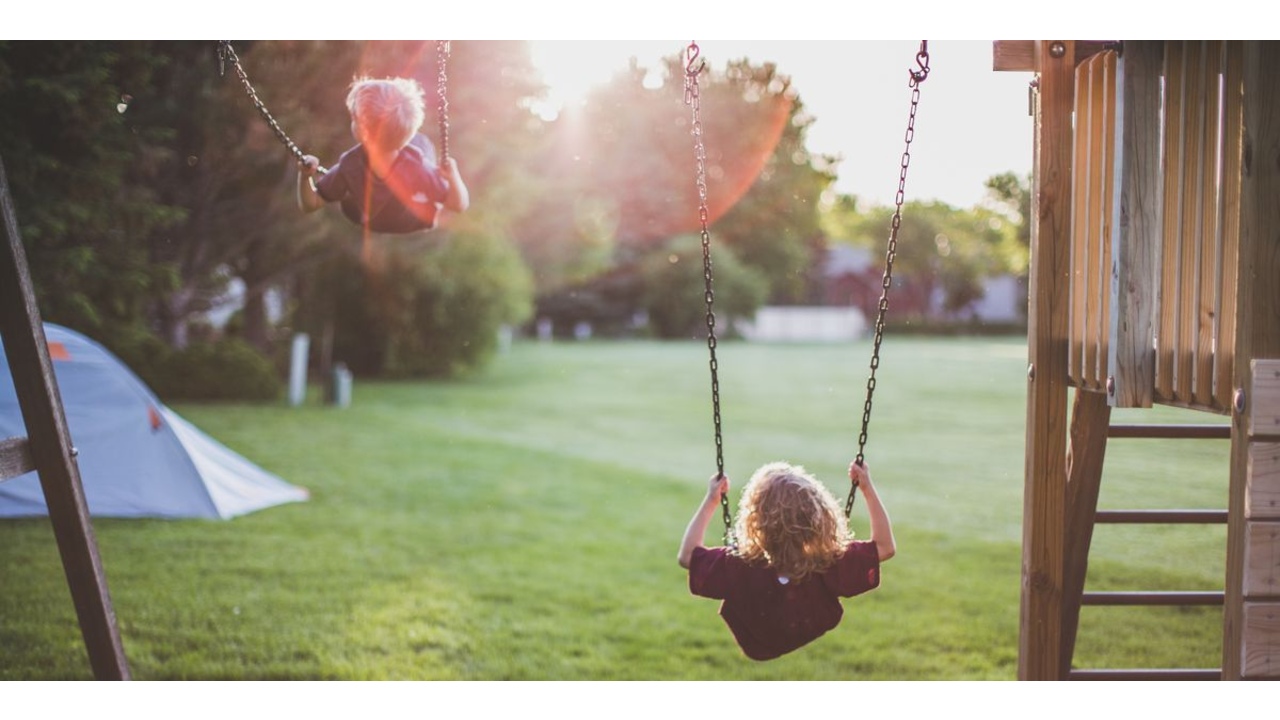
(1155, 265)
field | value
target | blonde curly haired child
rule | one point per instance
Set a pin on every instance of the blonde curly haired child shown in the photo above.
(390, 182)
(796, 557)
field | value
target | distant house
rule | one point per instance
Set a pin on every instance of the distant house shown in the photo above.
(854, 276)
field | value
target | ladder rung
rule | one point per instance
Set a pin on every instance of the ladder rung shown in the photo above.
(1171, 432)
(1156, 674)
(15, 458)
(1153, 598)
(1173, 517)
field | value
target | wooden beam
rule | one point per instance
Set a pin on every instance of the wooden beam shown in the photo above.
(1013, 56)
(1022, 55)
(1090, 418)
(50, 446)
(1257, 329)
(1044, 496)
(15, 458)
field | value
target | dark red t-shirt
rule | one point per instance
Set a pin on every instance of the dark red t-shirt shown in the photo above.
(403, 202)
(769, 617)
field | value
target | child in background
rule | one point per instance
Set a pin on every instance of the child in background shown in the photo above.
(390, 181)
(796, 559)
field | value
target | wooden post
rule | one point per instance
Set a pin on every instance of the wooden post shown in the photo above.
(49, 444)
(1090, 422)
(1040, 627)
(1134, 259)
(1258, 321)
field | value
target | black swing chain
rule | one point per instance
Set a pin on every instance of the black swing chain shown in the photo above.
(442, 87)
(692, 98)
(916, 77)
(227, 53)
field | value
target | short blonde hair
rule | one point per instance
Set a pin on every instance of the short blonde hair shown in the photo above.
(388, 110)
(790, 521)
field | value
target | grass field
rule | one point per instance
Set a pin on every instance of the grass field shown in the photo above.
(522, 525)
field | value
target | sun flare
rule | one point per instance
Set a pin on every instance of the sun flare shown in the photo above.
(573, 68)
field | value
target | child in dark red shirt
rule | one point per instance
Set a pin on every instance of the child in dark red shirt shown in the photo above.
(390, 182)
(796, 558)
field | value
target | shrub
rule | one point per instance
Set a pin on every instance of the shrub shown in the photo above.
(225, 369)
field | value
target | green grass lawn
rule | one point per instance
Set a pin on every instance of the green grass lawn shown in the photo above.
(523, 524)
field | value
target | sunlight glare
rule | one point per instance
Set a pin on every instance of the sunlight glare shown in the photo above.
(573, 68)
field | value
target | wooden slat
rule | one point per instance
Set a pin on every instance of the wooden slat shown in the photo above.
(1260, 653)
(1161, 517)
(15, 458)
(1171, 213)
(1262, 560)
(1171, 432)
(1153, 599)
(1262, 487)
(1040, 612)
(1138, 675)
(1232, 140)
(1081, 151)
(1263, 400)
(1209, 240)
(1108, 189)
(1135, 255)
(1095, 172)
(1194, 96)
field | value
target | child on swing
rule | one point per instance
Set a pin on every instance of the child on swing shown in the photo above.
(796, 558)
(390, 182)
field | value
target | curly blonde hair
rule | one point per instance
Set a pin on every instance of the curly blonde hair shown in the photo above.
(390, 110)
(790, 521)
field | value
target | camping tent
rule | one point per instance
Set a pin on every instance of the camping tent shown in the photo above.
(137, 458)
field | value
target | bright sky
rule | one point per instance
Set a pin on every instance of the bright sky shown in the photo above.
(972, 122)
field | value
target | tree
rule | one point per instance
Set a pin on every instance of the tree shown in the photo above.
(70, 149)
(674, 282)
(621, 180)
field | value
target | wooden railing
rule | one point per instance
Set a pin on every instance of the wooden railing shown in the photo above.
(1156, 225)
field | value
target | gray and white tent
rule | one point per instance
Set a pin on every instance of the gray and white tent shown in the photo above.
(137, 457)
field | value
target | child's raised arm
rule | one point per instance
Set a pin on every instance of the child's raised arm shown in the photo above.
(308, 199)
(459, 198)
(881, 528)
(693, 534)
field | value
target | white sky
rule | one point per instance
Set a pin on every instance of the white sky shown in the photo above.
(972, 122)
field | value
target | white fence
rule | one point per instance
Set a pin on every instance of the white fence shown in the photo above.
(804, 324)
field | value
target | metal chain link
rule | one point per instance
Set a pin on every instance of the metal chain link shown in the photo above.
(442, 87)
(693, 98)
(227, 53)
(916, 77)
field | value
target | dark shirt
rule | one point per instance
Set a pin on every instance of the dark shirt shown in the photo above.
(402, 202)
(768, 617)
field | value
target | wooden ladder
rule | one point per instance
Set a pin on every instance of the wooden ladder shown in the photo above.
(1081, 597)
(47, 450)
